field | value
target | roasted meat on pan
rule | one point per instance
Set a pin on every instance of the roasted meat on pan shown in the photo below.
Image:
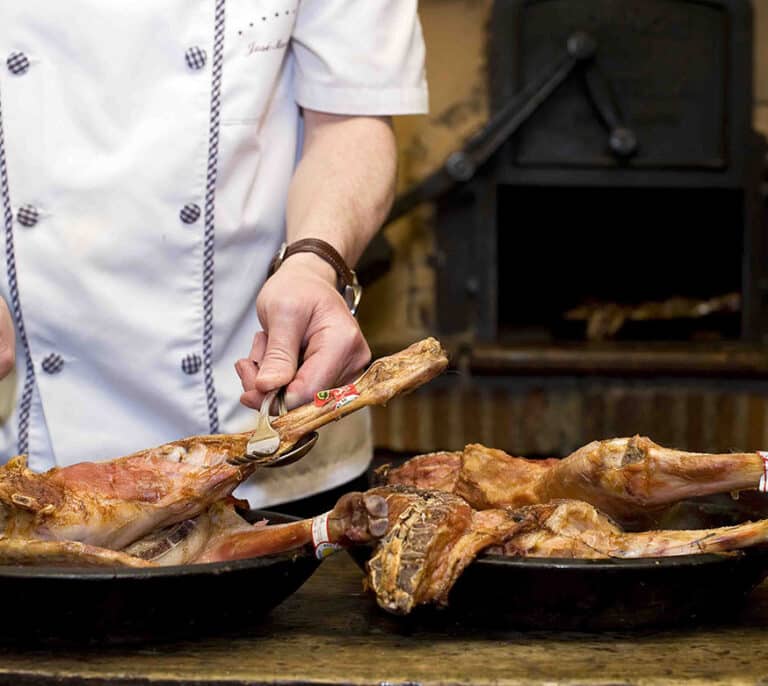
(434, 535)
(629, 479)
(112, 504)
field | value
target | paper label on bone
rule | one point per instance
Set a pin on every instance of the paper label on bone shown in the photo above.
(340, 396)
(321, 538)
(763, 486)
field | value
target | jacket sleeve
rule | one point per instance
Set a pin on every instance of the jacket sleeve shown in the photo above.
(363, 57)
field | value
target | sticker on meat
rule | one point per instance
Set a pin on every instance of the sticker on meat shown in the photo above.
(340, 396)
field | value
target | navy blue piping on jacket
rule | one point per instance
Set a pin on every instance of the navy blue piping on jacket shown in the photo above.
(210, 206)
(13, 290)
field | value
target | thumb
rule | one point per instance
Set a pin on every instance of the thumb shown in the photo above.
(281, 356)
(7, 341)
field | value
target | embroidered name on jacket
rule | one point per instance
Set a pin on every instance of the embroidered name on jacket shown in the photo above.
(255, 48)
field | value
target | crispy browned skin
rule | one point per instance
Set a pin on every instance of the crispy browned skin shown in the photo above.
(438, 471)
(630, 479)
(108, 504)
(574, 529)
(490, 478)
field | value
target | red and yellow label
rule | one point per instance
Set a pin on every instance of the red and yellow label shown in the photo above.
(339, 396)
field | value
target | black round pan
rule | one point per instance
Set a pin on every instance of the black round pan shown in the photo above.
(596, 595)
(116, 605)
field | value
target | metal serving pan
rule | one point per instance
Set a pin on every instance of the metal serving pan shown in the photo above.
(117, 605)
(597, 595)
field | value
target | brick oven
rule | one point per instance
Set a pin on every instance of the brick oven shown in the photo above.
(600, 254)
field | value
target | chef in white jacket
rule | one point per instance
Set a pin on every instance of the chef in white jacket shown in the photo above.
(154, 156)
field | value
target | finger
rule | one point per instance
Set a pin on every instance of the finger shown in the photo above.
(252, 399)
(7, 341)
(331, 358)
(248, 368)
(281, 355)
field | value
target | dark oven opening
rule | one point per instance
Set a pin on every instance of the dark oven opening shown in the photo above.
(619, 263)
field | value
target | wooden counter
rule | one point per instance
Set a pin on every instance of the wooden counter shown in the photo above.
(330, 633)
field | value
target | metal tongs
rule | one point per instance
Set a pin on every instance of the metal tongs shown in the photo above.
(264, 443)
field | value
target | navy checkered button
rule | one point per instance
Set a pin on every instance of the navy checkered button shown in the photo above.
(190, 213)
(195, 57)
(27, 215)
(53, 363)
(191, 364)
(18, 63)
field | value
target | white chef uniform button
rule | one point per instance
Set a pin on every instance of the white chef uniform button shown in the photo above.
(190, 213)
(53, 363)
(27, 215)
(18, 63)
(195, 57)
(191, 364)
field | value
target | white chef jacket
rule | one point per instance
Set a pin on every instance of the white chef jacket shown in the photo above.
(145, 158)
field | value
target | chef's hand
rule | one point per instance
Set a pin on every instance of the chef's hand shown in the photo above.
(7, 341)
(310, 341)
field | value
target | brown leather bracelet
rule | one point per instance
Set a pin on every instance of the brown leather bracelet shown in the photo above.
(348, 284)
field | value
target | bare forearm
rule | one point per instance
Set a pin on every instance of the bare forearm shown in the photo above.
(341, 193)
(344, 184)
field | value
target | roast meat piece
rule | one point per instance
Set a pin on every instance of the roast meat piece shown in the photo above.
(575, 529)
(216, 535)
(433, 471)
(108, 504)
(225, 535)
(630, 479)
(115, 503)
(434, 535)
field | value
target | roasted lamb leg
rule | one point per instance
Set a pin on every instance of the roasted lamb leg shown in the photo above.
(575, 529)
(216, 535)
(386, 378)
(222, 534)
(356, 518)
(630, 479)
